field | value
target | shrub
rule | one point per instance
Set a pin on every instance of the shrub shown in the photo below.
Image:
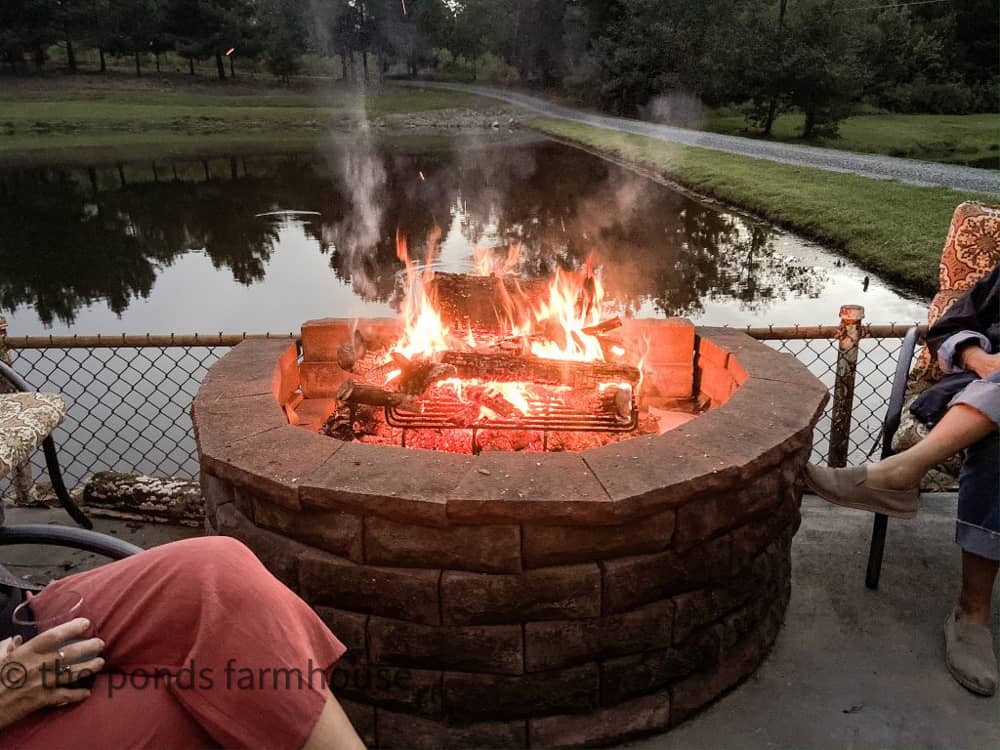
(949, 98)
(491, 68)
(447, 67)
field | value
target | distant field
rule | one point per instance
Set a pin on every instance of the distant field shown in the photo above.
(957, 139)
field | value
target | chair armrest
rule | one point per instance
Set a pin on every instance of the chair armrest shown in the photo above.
(16, 381)
(894, 412)
(67, 536)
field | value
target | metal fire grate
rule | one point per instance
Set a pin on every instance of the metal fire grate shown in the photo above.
(544, 417)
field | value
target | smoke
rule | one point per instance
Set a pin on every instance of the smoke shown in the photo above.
(356, 237)
(678, 108)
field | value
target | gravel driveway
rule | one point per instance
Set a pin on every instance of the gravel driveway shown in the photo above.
(866, 165)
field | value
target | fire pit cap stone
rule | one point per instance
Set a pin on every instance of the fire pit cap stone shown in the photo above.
(753, 429)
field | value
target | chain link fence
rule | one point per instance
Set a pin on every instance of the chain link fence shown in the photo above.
(877, 358)
(129, 405)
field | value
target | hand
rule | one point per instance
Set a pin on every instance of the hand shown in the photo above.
(32, 675)
(978, 361)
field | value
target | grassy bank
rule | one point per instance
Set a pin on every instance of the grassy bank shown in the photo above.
(112, 114)
(946, 138)
(893, 229)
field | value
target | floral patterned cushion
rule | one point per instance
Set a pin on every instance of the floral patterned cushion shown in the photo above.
(971, 251)
(26, 419)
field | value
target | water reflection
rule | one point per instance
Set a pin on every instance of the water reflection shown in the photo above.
(123, 237)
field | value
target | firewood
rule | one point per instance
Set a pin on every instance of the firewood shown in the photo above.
(605, 326)
(143, 498)
(551, 330)
(422, 373)
(503, 367)
(478, 397)
(353, 392)
(350, 352)
(483, 300)
(618, 401)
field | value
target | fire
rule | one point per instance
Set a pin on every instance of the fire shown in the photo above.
(487, 263)
(554, 322)
(553, 326)
(574, 303)
(424, 333)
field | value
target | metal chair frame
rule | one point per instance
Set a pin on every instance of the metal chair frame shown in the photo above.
(60, 536)
(893, 415)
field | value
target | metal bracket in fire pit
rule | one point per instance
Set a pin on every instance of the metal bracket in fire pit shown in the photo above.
(544, 417)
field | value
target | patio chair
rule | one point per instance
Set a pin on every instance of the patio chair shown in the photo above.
(27, 420)
(971, 251)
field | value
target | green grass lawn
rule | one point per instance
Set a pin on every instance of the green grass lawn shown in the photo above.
(894, 229)
(67, 111)
(946, 138)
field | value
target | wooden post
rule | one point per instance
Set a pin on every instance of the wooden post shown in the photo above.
(843, 389)
(21, 476)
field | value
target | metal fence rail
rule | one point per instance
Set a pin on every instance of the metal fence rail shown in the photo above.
(129, 396)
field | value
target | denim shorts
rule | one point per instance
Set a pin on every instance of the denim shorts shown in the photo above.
(978, 528)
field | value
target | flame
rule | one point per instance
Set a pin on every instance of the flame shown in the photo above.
(487, 263)
(552, 325)
(424, 333)
(574, 303)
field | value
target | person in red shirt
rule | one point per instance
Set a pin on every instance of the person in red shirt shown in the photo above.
(192, 644)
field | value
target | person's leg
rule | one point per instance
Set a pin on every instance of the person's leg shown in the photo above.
(975, 603)
(891, 486)
(260, 656)
(968, 633)
(977, 530)
(962, 426)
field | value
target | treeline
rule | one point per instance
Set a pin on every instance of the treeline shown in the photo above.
(820, 57)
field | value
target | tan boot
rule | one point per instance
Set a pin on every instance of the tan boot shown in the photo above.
(850, 488)
(969, 655)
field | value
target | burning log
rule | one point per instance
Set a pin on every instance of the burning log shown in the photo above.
(617, 401)
(586, 298)
(350, 352)
(479, 397)
(605, 326)
(581, 375)
(553, 331)
(353, 392)
(419, 374)
(482, 300)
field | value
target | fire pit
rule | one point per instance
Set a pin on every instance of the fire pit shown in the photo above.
(596, 548)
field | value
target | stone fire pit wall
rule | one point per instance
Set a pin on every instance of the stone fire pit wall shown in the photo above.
(525, 599)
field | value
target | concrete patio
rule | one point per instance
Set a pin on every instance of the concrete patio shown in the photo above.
(851, 667)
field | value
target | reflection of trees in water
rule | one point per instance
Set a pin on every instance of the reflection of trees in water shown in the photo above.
(78, 236)
(654, 243)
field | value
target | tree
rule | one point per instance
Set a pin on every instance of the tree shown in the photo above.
(134, 25)
(26, 27)
(821, 71)
(286, 37)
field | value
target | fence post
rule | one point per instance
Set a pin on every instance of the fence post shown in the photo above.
(843, 389)
(21, 476)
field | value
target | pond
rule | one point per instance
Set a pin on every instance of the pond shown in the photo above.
(261, 242)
